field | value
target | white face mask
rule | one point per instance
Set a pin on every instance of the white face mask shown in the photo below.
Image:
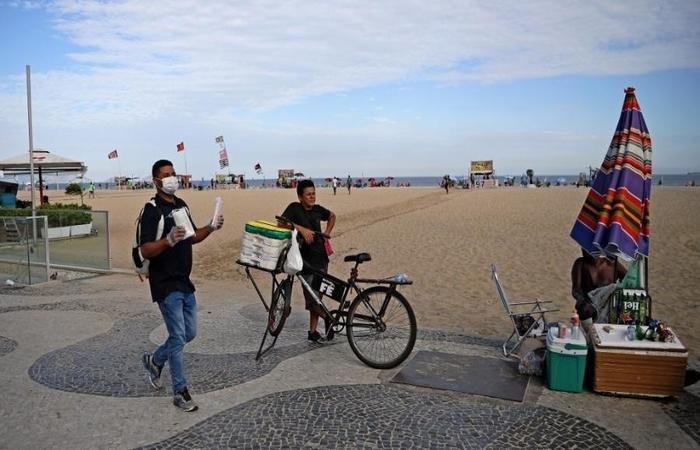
(170, 185)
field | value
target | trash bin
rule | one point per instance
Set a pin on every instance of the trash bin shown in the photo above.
(566, 361)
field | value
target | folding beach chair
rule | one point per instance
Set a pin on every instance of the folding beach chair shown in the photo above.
(524, 322)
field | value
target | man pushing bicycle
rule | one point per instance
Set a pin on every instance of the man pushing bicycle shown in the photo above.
(307, 216)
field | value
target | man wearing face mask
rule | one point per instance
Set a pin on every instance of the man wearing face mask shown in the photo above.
(170, 256)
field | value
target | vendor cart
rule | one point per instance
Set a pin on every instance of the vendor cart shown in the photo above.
(639, 367)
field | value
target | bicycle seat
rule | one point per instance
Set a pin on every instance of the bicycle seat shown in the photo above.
(359, 258)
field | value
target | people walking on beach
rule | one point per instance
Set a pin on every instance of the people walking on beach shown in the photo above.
(91, 190)
(307, 217)
(170, 256)
(335, 184)
(349, 184)
(446, 181)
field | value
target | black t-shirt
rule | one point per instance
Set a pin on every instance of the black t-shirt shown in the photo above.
(313, 254)
(169, 271)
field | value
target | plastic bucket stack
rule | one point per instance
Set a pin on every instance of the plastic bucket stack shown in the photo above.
(262, 243)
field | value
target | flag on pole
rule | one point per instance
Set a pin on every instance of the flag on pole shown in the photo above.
(113, 154)
(181, 147)
(258, 168)
(223, 158)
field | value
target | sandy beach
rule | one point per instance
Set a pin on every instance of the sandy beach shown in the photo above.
(446, 243)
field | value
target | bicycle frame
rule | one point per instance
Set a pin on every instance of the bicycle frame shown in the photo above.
(352, 283)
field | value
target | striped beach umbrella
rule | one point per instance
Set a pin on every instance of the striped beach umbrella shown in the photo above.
(614, 220)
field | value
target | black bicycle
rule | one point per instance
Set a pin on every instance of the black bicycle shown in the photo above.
(379, 322)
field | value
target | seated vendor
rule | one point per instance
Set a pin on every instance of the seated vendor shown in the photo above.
(590, 273)
(587, 274)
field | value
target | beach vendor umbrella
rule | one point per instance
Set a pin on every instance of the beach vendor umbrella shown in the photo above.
(614, 220)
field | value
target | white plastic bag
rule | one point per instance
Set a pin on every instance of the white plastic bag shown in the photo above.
(293, 263)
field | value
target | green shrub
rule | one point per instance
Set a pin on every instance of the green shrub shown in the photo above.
(66, 206)
(74, 189)
(57, 217)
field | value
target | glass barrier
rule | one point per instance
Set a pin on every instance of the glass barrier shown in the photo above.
(24, 250)
(80, 239)
(64, 238)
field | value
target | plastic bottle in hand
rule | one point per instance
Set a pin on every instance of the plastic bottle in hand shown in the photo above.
(218, 205)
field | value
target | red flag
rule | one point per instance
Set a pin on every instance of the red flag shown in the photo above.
(113, 154)
(181, 147)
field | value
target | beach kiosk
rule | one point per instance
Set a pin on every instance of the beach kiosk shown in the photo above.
(44, 163)
(286, 178)
(481, 174)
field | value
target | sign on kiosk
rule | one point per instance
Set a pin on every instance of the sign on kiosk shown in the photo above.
(482, 167)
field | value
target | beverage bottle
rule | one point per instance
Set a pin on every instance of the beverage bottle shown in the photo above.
(575, 326)
(400, 278)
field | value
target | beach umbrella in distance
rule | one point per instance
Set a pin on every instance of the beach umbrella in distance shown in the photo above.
(614, 220)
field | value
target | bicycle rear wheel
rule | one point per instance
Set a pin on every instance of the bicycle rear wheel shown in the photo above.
(381, 327)
(280, 306)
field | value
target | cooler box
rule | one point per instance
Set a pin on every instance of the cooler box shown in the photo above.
(638, 368)
(263, 243)
(566, 361)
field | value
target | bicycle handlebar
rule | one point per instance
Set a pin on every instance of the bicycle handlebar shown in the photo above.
(289, 222)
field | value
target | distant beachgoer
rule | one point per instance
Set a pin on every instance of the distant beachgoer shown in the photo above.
(588, 274)
(170, 256)
(335, 184)
(91, 190)
(446, 183)
(349, 184)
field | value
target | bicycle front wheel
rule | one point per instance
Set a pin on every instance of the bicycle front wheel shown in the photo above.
(381, 327)
(279, 307)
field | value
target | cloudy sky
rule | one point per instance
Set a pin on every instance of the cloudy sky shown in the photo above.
(361, 87)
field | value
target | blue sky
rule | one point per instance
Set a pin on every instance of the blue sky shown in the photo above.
(330, 88)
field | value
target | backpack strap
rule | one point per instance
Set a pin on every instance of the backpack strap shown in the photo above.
(161, 221)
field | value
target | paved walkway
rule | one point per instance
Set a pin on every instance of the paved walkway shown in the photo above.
(72, 378)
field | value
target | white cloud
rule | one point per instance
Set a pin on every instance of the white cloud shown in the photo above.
(149, 69)
(147, 59)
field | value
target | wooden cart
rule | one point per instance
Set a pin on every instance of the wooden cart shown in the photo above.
(639, 368)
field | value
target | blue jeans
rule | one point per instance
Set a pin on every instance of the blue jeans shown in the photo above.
(179, 310)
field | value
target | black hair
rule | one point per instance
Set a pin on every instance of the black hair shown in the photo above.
(587, 256)
(303, 184)
(158, 164)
